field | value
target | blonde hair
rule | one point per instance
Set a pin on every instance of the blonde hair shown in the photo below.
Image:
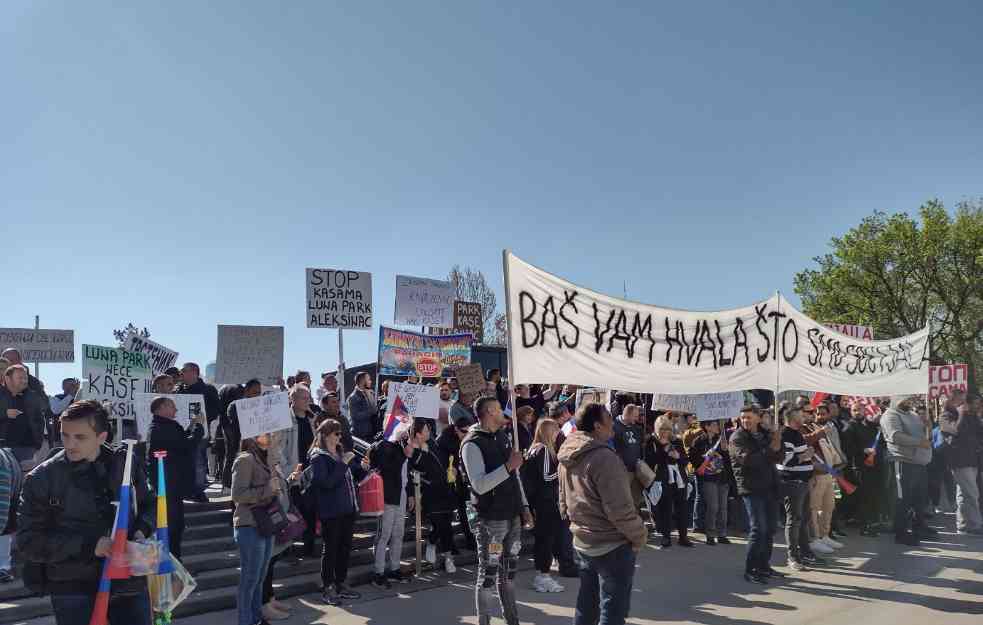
(549, 442)
(663, 422)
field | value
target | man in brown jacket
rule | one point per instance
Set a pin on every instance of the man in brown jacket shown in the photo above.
(607, 530)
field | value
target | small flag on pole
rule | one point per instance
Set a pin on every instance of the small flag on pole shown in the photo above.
(396, 420)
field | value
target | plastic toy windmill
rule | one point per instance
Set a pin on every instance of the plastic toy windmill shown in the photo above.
(163, 593)
(116, 565)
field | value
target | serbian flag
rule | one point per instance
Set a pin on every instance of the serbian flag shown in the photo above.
(569, 428)
(397, 419)
(116, 565)
(163, 536)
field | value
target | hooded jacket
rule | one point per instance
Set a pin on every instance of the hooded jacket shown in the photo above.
(903, 432)
(595, 494)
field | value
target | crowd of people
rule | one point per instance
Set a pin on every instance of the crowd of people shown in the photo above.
(589, 482)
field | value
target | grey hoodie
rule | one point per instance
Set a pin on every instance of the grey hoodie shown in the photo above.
(903, 432)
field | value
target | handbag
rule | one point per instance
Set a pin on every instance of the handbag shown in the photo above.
(270, 518)
(296, 526)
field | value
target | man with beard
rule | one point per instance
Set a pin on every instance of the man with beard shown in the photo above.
(331, 409)
(192, 384)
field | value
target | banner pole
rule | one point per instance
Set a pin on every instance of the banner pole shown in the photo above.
(508, 349)
(417, 509)
(341, 366)
(37, 364)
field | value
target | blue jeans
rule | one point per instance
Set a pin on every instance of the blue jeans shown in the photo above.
(254, 557)
(123, 609)
(605, 587)
(762, 516)
(499, 544)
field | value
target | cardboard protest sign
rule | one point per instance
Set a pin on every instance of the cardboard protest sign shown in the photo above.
(858, 332)
(406, 402)
(562, 333)
(406, 353)
(161, 358)
(264, 414)
(246, 352)
(39, 345)
(115, 376)
(467, 318)
(592, 396)
(471, 380)
(189, 408)
(706, 406)
(339, 299)
(943, 379)
(424, 302)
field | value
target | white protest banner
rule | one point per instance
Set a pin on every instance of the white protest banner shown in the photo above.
(424, 302)
(39, 345)
(246, 352)
(564, 334)
(161, 358)
(264, 414)
(407, 402)
(339, 299)
(943, 379)
(858, 332)
(116, 376)
(706, 406)
(189, 407)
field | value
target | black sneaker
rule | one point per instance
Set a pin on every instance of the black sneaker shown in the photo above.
(6, 577)
(770, 572)
(925, 531)
(812, 559)
(908, 539)
(666, 543)
(397, 577)
(331, 596)
(870, 531)
(380, 582)
(684, 542)
(711, 541)
(754, 578)
(723, 540)
(346, 593)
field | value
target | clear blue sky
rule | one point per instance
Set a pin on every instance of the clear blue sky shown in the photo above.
(179, 164)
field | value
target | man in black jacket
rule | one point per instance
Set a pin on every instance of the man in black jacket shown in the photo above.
(66, 514)
(23, 415)
(192, 384)
(753, 453)
(167, 436)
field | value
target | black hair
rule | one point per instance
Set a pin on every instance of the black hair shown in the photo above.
(492, 372)
(358, 376)
(590, 415)
(90, 410)
(253, 382)
(481, 405)
(463, 423)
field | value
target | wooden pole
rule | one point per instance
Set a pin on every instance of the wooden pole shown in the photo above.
(419, 523)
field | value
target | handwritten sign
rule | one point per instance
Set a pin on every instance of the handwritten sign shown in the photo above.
(189, 408)
(592, 396)
(264, 414)
(339, 299)
(467, 318)
(246, 352)
(944, 379)
(161, 358)
(419, 400)
(39, 345)
(424, 302)
(706, 406)
(115, 376)
(865, 333)
(471, 380)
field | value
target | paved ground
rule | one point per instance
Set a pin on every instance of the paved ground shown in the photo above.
(874, 582)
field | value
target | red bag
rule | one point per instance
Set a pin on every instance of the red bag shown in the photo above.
(370, 495)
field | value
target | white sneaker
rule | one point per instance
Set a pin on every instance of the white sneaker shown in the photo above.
(832, 543)
(554, 586)
(541, 583)
(432, 553)
(819, 546)
(449, 565)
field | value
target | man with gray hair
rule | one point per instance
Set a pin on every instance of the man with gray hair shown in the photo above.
(909, 448)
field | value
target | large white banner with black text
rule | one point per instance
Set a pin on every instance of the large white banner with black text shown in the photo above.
(565, 334)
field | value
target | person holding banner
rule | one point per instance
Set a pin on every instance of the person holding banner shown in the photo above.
(754, 453)
(166, 434)
(67, 513)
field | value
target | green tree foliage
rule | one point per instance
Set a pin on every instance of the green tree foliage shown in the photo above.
(896, 273)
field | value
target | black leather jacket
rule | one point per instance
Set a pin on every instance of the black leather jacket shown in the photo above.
(66, 507)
